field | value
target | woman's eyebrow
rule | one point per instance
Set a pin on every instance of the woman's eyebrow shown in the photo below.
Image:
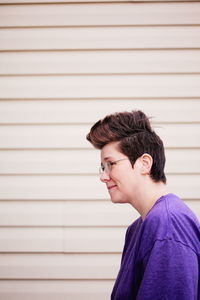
(108, 157)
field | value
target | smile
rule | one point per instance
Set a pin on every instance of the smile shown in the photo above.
(111, 187)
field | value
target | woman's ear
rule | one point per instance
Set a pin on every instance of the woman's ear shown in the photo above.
(146, 161)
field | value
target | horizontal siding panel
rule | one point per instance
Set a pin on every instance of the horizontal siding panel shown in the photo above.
(44, 136)
(51, 187)
(50, 162)
(86, 161)
(100, 86)
(69, 240)
(100, 38)
(77, 213)
(55, 289)
(74, 136)
(80, 187)
(176, 157)
(59, 266)
(100, 62)
(100, 14)
(84, 111)
(32, 240)
(60, 213)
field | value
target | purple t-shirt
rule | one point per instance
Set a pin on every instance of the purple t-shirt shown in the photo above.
(161, 255)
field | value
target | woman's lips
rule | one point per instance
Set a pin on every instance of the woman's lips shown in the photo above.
(111, 187)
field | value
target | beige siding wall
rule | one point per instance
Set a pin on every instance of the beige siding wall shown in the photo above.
(63, 66)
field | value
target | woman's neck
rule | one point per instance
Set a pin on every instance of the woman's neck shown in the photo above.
(150, 193)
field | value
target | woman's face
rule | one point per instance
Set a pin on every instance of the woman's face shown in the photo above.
(122, 180)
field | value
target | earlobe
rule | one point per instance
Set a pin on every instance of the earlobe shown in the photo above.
(147, 162)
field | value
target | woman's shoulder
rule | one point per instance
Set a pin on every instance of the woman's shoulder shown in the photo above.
(171, 218)
(167, 208)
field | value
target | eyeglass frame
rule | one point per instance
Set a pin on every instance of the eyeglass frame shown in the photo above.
(109, 166)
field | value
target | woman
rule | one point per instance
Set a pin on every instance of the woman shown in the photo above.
(160, 259)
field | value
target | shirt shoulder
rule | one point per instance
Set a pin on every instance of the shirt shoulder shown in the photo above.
(170, 218)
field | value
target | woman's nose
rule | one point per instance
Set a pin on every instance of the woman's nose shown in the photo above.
(105, 177)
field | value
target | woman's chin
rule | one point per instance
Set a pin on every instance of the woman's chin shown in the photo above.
(116, 199)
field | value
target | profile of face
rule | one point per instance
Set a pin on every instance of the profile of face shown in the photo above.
(123, 180)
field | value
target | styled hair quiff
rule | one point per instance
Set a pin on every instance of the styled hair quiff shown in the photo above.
(135, 136)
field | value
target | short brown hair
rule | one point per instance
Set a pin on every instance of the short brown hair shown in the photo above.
(135, 136)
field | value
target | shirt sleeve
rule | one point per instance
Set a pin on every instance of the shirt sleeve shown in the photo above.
(169, 271)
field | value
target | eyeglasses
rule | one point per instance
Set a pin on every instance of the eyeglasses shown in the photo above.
(107, 167)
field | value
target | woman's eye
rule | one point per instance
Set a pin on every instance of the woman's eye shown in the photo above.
(112, 163)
